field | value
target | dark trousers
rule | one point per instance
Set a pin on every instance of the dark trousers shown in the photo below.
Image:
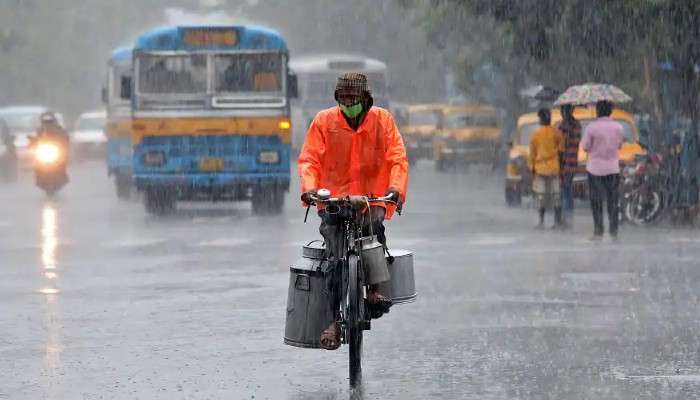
(567, 198)
(332, 231)
(604, 188)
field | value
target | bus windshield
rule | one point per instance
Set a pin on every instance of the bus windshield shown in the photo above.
(91, 124)
(322, 86)
(175, 74)
(469, 119)
(431, 118)
(248, 73)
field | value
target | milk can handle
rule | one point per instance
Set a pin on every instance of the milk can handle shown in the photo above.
(390, 258)
(317, 240)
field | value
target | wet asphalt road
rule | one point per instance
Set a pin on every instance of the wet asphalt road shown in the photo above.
(100, 301)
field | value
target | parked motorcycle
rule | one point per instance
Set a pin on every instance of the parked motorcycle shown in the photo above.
(644, 190)
(50, 158)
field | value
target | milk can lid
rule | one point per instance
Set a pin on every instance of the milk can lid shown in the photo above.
(315, 249)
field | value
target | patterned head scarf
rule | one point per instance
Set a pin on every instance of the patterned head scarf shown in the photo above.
(352, 81)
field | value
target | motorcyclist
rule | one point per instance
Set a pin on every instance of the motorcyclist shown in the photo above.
(51, 129)
(353, 149)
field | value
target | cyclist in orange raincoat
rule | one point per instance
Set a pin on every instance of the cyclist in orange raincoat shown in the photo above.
(354, 149)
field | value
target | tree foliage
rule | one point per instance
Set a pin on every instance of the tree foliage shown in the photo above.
(565, 42)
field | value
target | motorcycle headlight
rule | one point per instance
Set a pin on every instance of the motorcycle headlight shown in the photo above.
(47, 153)
(268, 157)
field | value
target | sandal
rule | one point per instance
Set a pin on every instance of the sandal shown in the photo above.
(330, 338)
(376, 299)
(375, 312)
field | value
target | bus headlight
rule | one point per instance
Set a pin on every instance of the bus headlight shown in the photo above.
(268, 157)
(154, 158)
(285, 124)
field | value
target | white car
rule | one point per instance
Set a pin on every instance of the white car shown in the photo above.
(88, 136)
(22, 122)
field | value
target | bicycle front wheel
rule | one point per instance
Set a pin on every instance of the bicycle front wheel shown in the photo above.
(355, 319)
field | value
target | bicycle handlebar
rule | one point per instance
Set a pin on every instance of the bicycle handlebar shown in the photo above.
(348, 199)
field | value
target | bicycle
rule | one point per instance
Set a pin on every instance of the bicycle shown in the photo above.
(354, 319)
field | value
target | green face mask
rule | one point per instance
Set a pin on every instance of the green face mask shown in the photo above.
(352, 111)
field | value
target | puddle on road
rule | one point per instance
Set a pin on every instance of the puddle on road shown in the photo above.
(493, 241)
(602, 282)
(664, 375)
(224, 242)
(683, 240)
(132, 243)
(49, 290)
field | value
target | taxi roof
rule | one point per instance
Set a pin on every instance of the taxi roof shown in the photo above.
(426, 107)
(469, 108)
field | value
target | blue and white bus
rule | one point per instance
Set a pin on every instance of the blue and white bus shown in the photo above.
(116, 94)
(211, 117)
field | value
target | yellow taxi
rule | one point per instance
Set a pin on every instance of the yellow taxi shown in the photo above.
(418, 124)
(469, 135)
(518, 177)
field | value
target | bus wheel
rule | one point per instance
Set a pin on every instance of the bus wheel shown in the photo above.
(159, 201)
(122, 184)
(268, 200)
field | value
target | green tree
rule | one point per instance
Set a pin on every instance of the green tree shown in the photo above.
(565, 42)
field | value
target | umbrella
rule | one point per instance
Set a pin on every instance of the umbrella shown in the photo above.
(590, 93)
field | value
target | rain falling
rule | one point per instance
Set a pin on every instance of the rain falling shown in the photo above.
(397, 199)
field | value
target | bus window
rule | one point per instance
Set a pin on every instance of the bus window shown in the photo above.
(471, 119)
(248, 73)
(173, 74)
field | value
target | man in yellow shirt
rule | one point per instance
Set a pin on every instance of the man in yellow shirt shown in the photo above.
(546, 147)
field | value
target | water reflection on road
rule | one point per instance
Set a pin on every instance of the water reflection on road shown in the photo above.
(51, 320)
(49, 241)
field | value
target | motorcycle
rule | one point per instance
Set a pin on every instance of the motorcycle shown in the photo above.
(643, 197)
(49, 164)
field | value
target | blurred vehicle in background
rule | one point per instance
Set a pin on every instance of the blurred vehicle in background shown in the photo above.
(116, 97)
(88, 138)
(211, 116)
(22, 122)
(469, 135)
(419, 124)
(317, 75)
(8, 154)
(518, 180)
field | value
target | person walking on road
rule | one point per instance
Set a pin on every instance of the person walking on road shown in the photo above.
(546, 145)
(602, 140)
(571, 129)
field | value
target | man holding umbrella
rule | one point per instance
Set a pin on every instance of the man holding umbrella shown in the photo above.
(602, 140)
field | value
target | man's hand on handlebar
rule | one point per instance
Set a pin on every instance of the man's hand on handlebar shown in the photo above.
(393, 195)
(309, 197)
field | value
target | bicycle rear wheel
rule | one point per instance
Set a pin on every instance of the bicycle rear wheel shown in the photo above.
(355, 319)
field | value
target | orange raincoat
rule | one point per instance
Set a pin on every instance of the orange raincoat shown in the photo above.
(364, 162)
